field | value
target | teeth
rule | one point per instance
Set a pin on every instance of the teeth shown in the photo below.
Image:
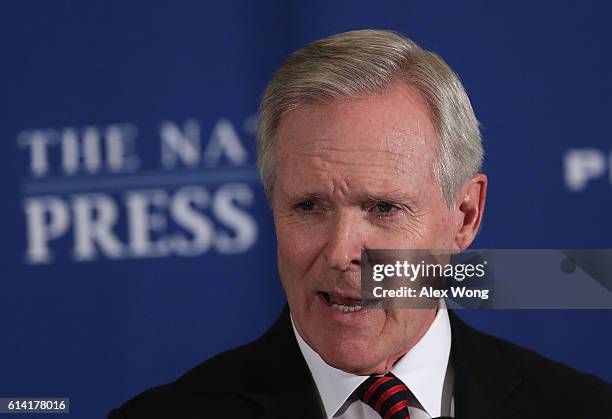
(346, 309)
(341, 307)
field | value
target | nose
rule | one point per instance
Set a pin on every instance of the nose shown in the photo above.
(346, 241)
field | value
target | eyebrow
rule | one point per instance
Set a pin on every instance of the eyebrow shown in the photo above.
(389, 196)
(309, 196)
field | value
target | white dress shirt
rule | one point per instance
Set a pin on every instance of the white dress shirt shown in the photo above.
(424, 369)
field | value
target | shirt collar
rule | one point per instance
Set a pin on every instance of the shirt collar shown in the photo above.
(422, 369)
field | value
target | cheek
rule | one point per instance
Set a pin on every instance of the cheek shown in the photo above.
(293, 247)
(297, 251)
(300, 240)
(441, 231)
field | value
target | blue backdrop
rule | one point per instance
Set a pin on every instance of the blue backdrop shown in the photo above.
(136, 237)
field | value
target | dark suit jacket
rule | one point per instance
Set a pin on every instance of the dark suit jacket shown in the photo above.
(270, 379)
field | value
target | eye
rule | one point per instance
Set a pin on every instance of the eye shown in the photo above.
(385, 207)
(306, 206)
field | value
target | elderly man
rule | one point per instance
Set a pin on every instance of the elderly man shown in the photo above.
(367, 141)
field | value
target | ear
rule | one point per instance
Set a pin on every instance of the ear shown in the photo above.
(470, 207)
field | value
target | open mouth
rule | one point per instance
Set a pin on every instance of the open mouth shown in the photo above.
(345, 304)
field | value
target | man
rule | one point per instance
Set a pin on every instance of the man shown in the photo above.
(367, 141)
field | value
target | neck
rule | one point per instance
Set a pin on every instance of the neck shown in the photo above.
(386, 365)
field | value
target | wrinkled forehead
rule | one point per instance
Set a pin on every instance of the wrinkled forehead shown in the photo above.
(393, 126)
(380, 144)
(397, 109)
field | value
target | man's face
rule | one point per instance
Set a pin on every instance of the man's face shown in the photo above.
(355, 174)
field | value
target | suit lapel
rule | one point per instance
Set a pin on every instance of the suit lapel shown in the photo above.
(288, 404)
(484, 376)
(280, 381)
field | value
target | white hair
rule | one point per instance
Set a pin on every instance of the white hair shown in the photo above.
(363, 62)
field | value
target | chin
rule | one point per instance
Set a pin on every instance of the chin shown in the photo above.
(355, 357)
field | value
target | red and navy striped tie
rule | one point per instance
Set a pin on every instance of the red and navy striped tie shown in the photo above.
(387, 395)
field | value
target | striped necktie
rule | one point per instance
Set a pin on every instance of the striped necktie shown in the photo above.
(385, 394)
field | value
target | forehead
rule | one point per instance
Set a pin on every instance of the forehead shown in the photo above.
(397, 111)
(386, 137)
